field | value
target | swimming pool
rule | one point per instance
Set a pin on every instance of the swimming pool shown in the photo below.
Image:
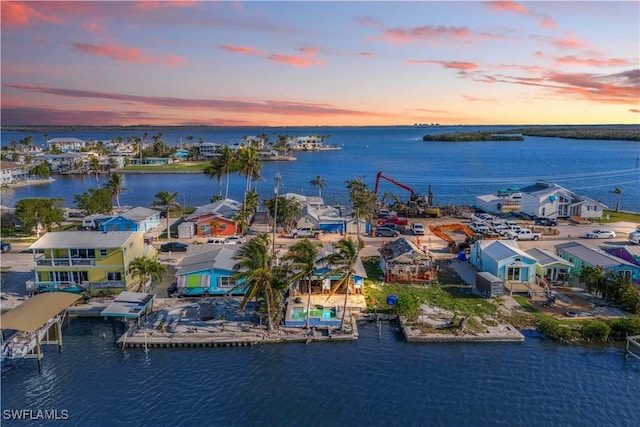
(317, 313)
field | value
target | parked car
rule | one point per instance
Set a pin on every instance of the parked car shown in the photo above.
(174, 247)
(172, 289)
(399, 228)
(545, 222)
(234, 240)
(6, 247)
(393, 220)
(216, 241)
(601, 234)
(386, 232)
(417, 229)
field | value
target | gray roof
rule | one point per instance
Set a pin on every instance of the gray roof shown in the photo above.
(226, 208)
(60, 140)
(82, 240)
(592, 256)
(139, 213)
(207, 257)
(399, 247)
(502, 249)
(545, 257)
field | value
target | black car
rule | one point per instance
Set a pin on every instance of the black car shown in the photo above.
(172, 289)
(399, 228)
(546, 222)
(174, 247)
(386, 232)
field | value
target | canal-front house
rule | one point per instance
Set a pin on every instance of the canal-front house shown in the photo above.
(582, 255)
(504, 259)
(13, 172)
(628, 253)
(551, 269)
(403, 261)
(207, 270)
(75, 261)
(139, 219)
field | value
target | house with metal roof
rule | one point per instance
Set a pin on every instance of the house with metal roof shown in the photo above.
(77, 261)
(550, 200)
(550, 268)
(138, 219)
(582, 255)
(628, 253)
(13, 172)
(402, 261)
(503, 259)
(216, 219)
(207, 270)
(66, 145)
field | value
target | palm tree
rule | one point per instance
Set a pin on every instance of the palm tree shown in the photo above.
(304, 256)
(618, 191)
(166, 200)
(226, 160)
(145, 269)
(116, 185)
(320, 183)
(94, 166)
(343, 262)
(250, 165)
(256, 271)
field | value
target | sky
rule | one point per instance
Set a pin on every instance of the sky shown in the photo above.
(327, 63)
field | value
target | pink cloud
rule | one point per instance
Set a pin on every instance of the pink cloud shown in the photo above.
(245, 50)
(569, 41)
(634, 110)
(456, 65)
(593, 62)
(127, 54)
(429, 33)
(16, 14)
(308, 51)
(513, 7)
(366, 54)
(298, 61)
(477, 99)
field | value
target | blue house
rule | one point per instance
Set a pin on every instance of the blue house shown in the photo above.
(135, 219)
(503, 259)
(582, 255)
(207, 270)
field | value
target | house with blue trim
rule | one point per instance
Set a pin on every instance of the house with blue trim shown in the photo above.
(138, 219)
(551, 268)
(503, 259)
(207, 270)
(582, 255)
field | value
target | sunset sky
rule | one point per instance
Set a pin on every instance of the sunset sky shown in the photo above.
(320, 63)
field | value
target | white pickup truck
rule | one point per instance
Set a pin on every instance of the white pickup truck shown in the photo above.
(523, 234)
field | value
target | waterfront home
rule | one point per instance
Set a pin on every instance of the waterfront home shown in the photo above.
(505, 200)
(582, 255)
(550, 200)
(139, 219)
(207, 270)
(403, 261)
(216, 219)
(77, 261)
(307, 143)
(93, 221)
(550, 268)
(13, 172)
(628, 253)
(66, 145)
(151, 161)
(66, 162)
(504, 259)
(207, 150)
(331, 220)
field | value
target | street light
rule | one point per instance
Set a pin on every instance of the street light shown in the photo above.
(275, 214)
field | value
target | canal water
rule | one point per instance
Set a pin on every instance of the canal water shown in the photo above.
(371, 382)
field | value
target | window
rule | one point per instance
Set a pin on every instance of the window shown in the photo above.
(130, 245)
(226, 283)
(625, 274)
(114, 276)
(103, 252)
(222, 226)
(513, 273)
(82, 253)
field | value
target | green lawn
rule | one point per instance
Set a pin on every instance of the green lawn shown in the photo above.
(173, 167)
(620, 216)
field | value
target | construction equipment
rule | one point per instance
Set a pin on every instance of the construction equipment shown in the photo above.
(418, 204)
(397, 204)
(454, 247)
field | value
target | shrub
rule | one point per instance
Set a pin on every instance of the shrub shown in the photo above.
(555, 330)
(407, 304)
(595, 330)
(625, 326)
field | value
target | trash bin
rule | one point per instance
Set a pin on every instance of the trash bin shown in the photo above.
(391, 299)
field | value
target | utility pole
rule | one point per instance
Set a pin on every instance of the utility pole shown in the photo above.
(275, 214)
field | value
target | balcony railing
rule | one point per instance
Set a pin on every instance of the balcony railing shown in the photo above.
(43, 261)
(44, 286)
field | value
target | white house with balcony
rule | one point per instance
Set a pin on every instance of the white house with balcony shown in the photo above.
(550, 200)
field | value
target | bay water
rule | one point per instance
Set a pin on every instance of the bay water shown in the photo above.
(456, 172)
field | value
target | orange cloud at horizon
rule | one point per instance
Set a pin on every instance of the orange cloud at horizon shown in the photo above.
(128, 54)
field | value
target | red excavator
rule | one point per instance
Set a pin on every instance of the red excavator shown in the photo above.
(418, 205)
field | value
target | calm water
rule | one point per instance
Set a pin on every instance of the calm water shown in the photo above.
(370, 382)
(457, 172)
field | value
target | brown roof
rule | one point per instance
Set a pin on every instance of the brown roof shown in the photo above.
(36, 311)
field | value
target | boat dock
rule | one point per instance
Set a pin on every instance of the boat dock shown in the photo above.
(632, 344)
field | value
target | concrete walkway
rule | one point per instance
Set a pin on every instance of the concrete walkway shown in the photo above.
(466, 271)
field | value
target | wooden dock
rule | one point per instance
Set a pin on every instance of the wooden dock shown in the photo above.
(632, 344)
